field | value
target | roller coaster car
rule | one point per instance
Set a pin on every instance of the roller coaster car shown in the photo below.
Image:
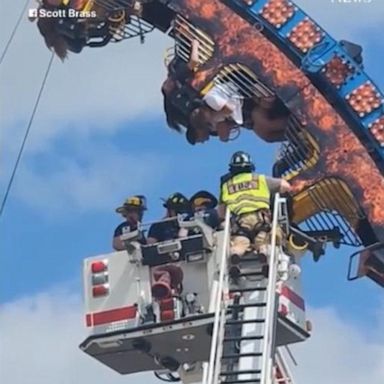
(262, 111)
(370, 263)
(134, 330)
(78, 34)
(335, 121)
(108, 21)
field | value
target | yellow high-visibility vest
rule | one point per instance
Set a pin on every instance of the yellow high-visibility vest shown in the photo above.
(245, 193)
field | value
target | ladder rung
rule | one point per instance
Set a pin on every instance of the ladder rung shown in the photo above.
(239, 355)
(255, 273)
(243, 338)
(250, 381)
(246, 259)
(230, 322)
(233, 373)
(234, 290)
(240, 306)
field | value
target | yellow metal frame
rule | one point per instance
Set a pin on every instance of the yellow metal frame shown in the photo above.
(304, 207)
(308, 163)
(230, 68)
(184, 31)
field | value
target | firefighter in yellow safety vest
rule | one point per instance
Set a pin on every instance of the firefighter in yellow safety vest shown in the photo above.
(247, 195)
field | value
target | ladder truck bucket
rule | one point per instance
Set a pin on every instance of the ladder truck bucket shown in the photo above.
(165, 306)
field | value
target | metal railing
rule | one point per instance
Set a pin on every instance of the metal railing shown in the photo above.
(135, 27)
(270, 311)
(241, 79)
(283, 368)
(299, 153)
(220, 299)
(335, 204)
(337, 209)
(114, 5)
(184, 34)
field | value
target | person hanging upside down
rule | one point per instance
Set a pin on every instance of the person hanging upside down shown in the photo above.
(218, 116)
(269, 119)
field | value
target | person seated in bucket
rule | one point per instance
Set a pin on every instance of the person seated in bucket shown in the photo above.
(203, 205)
(132, 210)
(167, 279)
(168, 229)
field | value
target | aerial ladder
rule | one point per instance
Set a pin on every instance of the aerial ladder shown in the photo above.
(243, 348)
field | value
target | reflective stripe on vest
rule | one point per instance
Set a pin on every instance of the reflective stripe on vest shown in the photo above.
(245, 193)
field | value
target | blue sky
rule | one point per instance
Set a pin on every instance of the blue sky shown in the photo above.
(100, 136)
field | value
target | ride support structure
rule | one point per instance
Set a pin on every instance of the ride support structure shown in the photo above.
(325, 109)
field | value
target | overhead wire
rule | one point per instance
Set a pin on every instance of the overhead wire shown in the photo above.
(26, 134)
(13, 33)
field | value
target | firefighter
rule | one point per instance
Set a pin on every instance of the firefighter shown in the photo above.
(132, 210)
(167, 279)
(203, 205)
(168, 229)
(247, 195)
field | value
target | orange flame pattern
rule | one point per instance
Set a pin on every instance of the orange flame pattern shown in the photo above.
(342, 154)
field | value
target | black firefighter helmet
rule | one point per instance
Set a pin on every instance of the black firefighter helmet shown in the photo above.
(177, 202)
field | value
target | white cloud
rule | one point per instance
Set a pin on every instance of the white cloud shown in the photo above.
(92, 95)
(340, 353)
(92, 92)
(40, 335)
(121, 80)
(95, 178)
